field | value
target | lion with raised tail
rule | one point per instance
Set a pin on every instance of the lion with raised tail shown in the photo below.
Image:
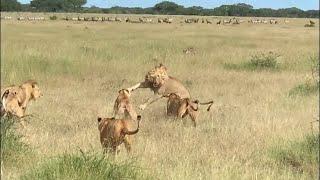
(181, 107)
(114, 132)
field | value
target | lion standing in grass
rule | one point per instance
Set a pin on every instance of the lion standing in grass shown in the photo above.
(16, 98)
(114, 132)
(161, 84)
(123, 106)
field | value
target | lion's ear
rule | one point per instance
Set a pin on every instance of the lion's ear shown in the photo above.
(162, 66)
(99, 119)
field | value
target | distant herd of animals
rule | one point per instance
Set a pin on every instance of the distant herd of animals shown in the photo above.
(229, 21)
(118, 127)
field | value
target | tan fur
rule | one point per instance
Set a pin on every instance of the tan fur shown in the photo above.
(122, 105)
(181, 107)
(16, 98)
(11, 105)
(113, 132)
(161, 84)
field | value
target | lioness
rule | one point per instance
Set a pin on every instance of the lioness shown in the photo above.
(11, 104)
(113, 133)
(122, 105)
(16, 98)
(161, 84)
(181, 107)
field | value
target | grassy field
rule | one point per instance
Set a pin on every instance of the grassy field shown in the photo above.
(255, 130)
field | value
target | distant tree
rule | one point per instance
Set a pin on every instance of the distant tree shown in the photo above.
(10, 5)
(291, 12)
(167, 7)
(76, 4)
(244, 5)
(58, 5)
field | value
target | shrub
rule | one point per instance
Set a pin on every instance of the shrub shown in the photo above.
(53, 17)
(263, 61)
(13, 150)
(85, 166)
(299, 156)
(311, 85)
(304, 89)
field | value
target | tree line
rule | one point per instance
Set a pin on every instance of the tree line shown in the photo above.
(164, 8)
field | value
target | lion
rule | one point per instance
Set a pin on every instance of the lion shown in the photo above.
(181, 107)
(16, 98)
(11, 104)
(113, 132)
(161, 84)
(30, 91)
(122, 105)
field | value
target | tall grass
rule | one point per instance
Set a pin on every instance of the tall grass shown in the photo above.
(262, 61)
(80, 66)
(85, 166)
(299, 156)
(15, 154)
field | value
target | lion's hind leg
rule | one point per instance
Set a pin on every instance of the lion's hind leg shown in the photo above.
(127, 144)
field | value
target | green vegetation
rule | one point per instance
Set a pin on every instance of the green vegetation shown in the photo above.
(311, 86)
(299, 156)
(304, 89)
(263, 61)
(53, 17)
(14, 152)
(85, 166)
(81, 66)
(164, 7)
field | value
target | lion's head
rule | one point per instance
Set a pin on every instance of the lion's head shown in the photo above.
(32, 87)
(157, 76)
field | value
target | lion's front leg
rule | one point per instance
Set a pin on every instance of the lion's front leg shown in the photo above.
(138, 85)
(150, 101)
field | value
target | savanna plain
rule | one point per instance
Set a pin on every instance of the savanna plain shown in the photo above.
(261, 126)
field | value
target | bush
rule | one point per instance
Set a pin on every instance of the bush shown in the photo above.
(13, 150)
(263, 61)
(53, 17)
(85, 166)
(299, 156)
(311, 85)
(304, 89)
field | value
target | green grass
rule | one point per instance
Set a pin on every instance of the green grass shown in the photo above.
(299, 156)
(80, 66)
(13, 150)
(263, 61)
(305, 89)
(85, 166)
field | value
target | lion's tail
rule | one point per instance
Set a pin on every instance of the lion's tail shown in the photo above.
(205, 103)
(3, 99)
(127, 132)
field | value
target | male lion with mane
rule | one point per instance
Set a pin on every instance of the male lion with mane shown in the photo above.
(161, 84)
(179, 101)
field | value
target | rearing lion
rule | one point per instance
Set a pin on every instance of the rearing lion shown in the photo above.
(161, 84)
